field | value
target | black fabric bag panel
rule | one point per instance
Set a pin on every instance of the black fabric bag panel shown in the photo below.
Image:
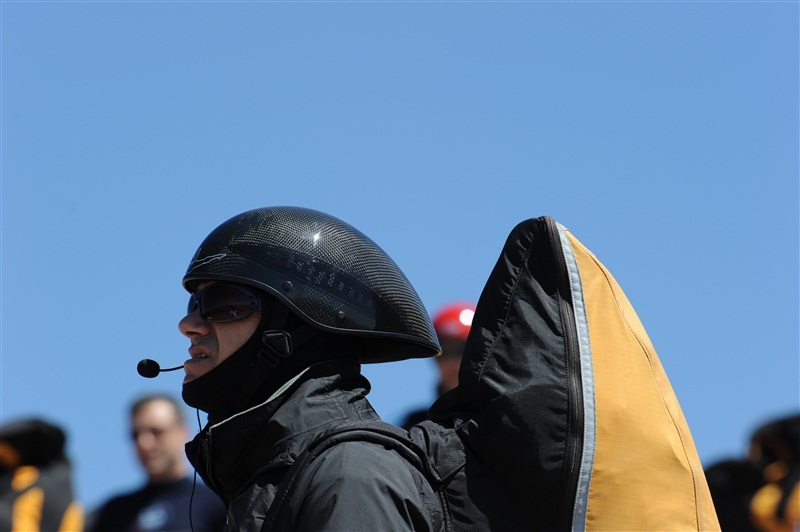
(513, 404)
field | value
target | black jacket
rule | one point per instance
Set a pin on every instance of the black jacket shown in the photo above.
(161, 506)
(354, 486)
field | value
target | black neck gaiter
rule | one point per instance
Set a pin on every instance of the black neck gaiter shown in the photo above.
(213, 392)
(217, 392)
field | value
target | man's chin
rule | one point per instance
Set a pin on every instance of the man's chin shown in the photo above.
(154, 470)
(196, 368)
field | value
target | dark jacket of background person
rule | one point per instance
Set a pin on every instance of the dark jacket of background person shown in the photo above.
(161, 507)
(36, 479)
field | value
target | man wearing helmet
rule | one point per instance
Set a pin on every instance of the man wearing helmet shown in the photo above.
(285, 304)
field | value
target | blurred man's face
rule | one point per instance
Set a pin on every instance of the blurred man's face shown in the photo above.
(449, 363)
(159, 439)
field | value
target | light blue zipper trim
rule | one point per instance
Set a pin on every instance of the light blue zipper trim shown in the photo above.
(587, 380)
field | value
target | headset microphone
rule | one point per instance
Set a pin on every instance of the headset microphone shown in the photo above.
(150, 368)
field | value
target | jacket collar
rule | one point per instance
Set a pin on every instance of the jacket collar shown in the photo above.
(231, 454)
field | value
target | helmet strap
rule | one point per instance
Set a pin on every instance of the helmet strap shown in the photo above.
(278, 344)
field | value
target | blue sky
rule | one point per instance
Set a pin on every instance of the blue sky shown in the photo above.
(664, 135)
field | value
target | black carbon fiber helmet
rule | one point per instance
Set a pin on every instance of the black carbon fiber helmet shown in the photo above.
(326, 271)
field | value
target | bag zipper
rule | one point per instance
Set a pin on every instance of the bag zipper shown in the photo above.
(574, 443)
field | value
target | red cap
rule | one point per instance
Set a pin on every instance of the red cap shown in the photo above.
(454, 321)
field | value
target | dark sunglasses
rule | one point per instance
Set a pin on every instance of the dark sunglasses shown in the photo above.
(221, 303)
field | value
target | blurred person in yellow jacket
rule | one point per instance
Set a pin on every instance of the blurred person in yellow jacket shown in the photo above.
(36, 479)
(761, 492)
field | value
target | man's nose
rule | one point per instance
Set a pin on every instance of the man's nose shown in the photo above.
(145, 439)
(193, 325)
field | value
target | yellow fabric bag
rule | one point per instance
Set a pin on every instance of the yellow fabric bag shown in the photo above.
(646, 474)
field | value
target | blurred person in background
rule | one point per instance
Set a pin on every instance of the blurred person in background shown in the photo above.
(761, 492)
(36, 479)
(159, 433)
(452, 324)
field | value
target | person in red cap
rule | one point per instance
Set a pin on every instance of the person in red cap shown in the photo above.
(452, 324)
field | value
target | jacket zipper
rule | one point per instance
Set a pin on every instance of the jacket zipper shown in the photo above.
(228, 517)
(210, 475)
(574, 442)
